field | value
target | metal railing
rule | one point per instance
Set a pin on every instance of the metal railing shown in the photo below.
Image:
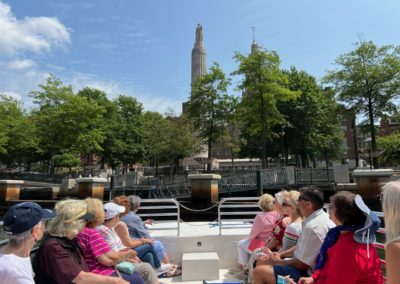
(314, 176)
(151, 208)
(241, 218)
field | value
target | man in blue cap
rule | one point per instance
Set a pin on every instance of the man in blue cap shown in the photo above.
(24, 225)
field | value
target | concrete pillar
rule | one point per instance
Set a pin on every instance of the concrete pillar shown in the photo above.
(91, 187)
(10, 189)
(204, 187)
(369, 181)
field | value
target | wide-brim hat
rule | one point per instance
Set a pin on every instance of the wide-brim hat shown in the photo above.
(367, 234)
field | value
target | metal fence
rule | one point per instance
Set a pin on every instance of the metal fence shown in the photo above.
(178, 190)
(314, 176)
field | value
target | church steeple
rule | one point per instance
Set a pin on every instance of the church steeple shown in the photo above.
(198, 55)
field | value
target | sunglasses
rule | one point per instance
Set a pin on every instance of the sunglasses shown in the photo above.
(286, 204)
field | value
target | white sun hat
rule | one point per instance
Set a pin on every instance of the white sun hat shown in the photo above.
(111, 209)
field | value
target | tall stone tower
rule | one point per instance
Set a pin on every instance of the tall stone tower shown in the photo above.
(198, 55)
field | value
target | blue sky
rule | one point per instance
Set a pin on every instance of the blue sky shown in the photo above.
(143, 48)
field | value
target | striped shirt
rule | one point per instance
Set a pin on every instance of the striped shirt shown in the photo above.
(93, 246)
(291, 235)
(111, 237)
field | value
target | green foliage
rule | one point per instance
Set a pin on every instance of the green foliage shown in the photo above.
(124, 141)
(368, 79)
(65, 122)
(312, 126)
(209, 106)
(155, 130)
(68, 160)
(263, 86)
(18, 139)
(389, 147)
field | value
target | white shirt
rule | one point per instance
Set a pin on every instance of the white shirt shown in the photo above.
(312, 236)
(15, 269)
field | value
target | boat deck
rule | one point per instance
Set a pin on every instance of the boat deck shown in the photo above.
(202, 237)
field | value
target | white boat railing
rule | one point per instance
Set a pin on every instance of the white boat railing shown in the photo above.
(231, 218)
(167, 209)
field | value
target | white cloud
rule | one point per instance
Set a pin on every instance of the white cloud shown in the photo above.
(113, 89)
(32, 34)
(21, 64)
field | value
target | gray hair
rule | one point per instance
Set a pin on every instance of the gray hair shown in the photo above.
(280, 196)
(20, 238)
(134, 201)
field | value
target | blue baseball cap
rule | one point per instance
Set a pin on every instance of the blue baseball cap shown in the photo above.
(24, 216)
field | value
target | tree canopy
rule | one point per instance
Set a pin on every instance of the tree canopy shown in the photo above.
(367, 80)
(210, 106)
(263, 85)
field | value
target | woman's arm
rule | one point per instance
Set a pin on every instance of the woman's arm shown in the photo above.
(392, 252)
(122, 231)
(88, 277)
(112, 258)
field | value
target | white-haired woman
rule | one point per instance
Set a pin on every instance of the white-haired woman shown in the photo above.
(59, 258)
(391, 211)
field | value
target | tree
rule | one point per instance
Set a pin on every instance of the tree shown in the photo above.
(209, 106)
(65, 122)
(125, 136)
(390, 147)
(18, 140)
(311, 127)
(154, 131)
(108, 124)
(367, 80)
(263, 86)
(180, 141)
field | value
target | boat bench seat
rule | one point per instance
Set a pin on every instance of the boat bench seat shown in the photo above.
(198, 266)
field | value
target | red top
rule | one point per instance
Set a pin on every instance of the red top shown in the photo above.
(348, 263)
(279, 230)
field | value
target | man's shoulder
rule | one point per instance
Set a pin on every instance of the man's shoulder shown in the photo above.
(319, 221)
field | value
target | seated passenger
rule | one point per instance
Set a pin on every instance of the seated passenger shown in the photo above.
(23, 226)
(261, 231)
(112, 212)
(137, 229)
(314, 228)
(391, 211)
(96, 252)
(59, 258)
(347, 254)
(275, 242)
(292, 232)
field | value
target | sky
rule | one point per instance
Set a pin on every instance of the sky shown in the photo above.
(143, 48)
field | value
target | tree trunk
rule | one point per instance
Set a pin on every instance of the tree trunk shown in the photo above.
(372, 131)
(209, 150)
(263, 134)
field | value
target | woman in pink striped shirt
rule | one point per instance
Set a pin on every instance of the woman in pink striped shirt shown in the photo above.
(98, 255)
